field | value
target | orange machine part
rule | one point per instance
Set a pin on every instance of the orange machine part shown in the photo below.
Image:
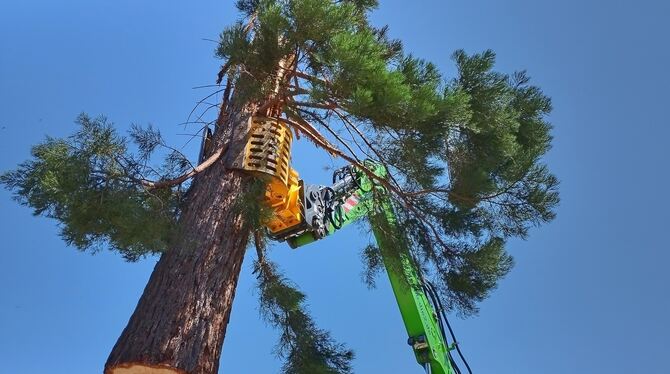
(268, 153)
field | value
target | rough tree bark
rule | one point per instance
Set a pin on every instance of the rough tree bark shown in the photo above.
(180, 321)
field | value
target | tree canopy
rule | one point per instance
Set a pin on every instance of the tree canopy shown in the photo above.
(464, 154)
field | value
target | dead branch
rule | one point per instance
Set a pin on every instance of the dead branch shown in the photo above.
(314, 105)
(309, 77)
(222, 72)
(200, 102)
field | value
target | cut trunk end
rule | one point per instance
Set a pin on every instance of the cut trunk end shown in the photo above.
(143, 369)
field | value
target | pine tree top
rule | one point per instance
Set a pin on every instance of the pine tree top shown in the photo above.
(464, 153)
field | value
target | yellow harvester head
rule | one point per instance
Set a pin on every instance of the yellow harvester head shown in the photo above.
(268, 154)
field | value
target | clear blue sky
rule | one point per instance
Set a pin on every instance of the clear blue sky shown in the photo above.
(589, 293)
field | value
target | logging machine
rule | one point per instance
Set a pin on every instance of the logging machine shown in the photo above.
(304, 213)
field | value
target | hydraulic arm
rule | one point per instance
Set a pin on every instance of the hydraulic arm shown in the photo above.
(354, 196)
(304, 213)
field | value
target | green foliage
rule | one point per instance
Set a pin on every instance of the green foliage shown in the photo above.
(305, 348)
(479, 162)
(88, 183)
(469, 149)
(476, 274)
(374, 265)
(250, 204)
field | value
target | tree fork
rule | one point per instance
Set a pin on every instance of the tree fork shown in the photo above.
(180, 321)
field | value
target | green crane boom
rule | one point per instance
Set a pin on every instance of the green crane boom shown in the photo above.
(355, 196)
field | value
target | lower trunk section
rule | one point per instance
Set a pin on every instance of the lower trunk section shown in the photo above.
(180, 321)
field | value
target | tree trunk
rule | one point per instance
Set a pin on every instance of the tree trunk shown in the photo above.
(180, 321)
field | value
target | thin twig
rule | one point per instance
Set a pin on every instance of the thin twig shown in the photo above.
(200, 102)
(381, 159)
(339, 138)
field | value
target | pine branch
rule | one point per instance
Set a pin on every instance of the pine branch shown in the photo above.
(184, 177)
(309, 77)
(305, 348)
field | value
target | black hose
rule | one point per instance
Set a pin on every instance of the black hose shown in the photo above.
(451, 331)
(453, 364)
(433, 298)
(337, 223)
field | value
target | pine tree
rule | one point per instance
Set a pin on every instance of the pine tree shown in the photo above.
(464, 156)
